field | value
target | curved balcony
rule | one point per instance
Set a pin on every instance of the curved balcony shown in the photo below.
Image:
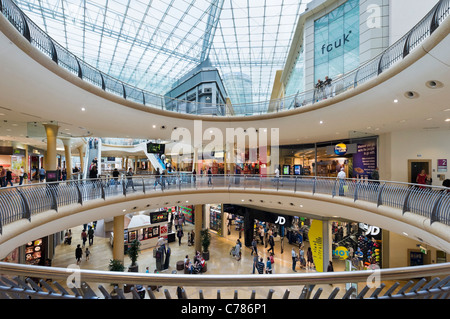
(366, 72)
(24, 209)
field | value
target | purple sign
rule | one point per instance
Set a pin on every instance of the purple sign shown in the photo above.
(442, 165)
(365, 159)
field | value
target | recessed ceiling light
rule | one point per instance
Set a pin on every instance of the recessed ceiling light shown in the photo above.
(154, 126)
(83, 109)
(446, 110)
(395, 101)
(429, 119)
(447, 120)
(321, 122)
(405, 234)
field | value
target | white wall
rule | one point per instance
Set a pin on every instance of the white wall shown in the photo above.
(405, 14)
(397, 148)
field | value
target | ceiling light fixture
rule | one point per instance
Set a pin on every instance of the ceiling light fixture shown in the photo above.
(83, 109)
(395, 101)
(321, 122)
(447, 120)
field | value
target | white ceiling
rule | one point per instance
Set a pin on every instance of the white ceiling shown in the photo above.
(30, 92)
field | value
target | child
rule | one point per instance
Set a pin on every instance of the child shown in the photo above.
(87, 253)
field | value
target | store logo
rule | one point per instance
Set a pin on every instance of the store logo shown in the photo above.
(338, 43)
(372, 230)
(340, 149)
(341, 252)
(280, 220)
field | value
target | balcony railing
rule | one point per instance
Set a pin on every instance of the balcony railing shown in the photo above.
(369, 70)
(33, 282)
(25, 201)
(28, 200)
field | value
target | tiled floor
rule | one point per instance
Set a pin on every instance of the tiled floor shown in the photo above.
(220, 262)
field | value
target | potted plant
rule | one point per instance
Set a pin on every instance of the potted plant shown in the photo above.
(205, 238)
(115, 265)
(133, 253)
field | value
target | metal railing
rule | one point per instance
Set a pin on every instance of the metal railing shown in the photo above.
(33, 282)
(25, 201)
(367, 71)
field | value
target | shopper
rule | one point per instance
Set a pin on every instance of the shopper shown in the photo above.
(310, 260)
(268, 266)
(330, 267)
(271, 243)
(260, 266)
(254, 247)
(9, 178)
(91, 235)
(209, 176)
(255, 262)
(116, 174)
(130, 179)
(78, 254)
(301, 256)
(87, 253)
(84, 237)
(341, 176)
(422, 178)
(179, 235)
(2, 176)
(21, 175)
(294, 259)
(41, 174)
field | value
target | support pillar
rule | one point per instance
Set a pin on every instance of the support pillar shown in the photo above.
(198, 223)
(327, 244)
(68, 154)
(119, 227)
(51, 131)
(81, 152)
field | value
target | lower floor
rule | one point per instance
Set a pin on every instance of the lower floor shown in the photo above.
(220, 262)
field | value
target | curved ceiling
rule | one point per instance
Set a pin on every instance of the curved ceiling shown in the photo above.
(317, 206)
(34, 89)
(152, 44)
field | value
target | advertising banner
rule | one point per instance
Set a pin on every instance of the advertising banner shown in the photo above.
(316, 241)
(365, 159)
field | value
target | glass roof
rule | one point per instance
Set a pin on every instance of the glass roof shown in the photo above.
(150, 44)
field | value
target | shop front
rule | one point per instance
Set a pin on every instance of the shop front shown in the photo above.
(358, 158)
(147, 227)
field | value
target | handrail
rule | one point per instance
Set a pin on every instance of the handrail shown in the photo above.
(25, 201)
(371, 69)
(256, 280)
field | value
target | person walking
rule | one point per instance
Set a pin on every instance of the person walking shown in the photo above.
(87, 253)
(254, 247)
(2, 176)
(271, 244)
(294, 259)
(84, 237)
(179, 235)
(91, 235)
(130, 179)
(209, 176)
(78, 254)
(21, 175)
(310, 260)
(268, 266)
(9, 178)
(260, 266)
(255, 262)
(341, 176)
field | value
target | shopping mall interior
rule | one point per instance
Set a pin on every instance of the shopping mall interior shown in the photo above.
(224, 149)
